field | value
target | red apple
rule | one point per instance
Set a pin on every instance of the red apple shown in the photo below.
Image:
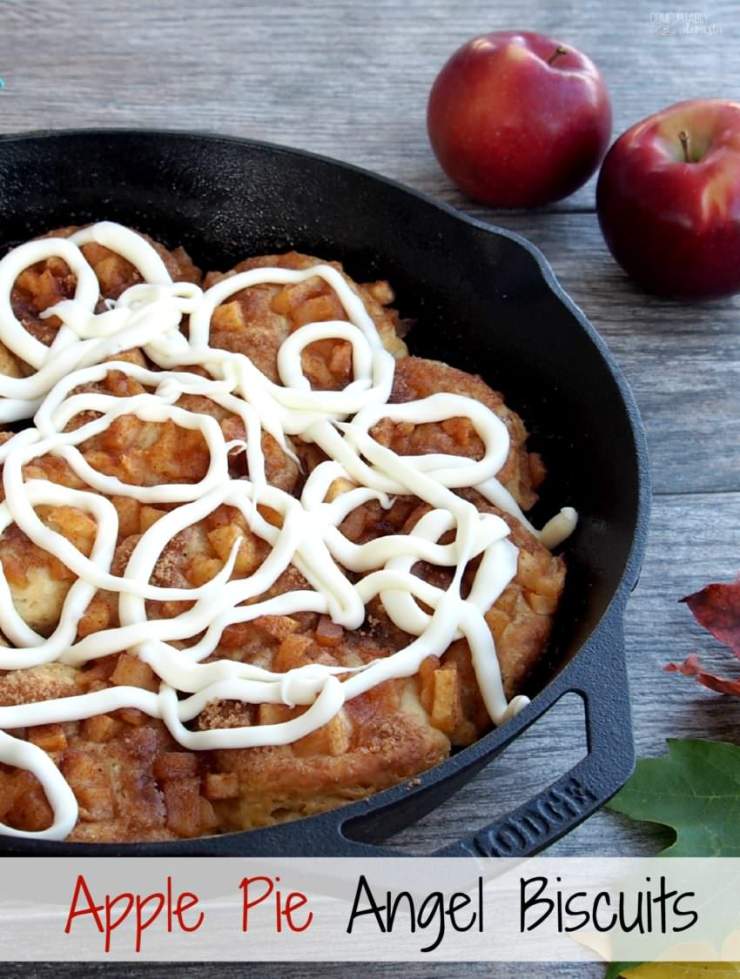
(668, 199)
(517, 119)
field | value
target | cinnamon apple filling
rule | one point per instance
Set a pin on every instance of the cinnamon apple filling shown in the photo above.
(256, 561)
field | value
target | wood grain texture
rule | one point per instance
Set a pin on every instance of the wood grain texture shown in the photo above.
(682, 361)
(350, 80)
(340, 77)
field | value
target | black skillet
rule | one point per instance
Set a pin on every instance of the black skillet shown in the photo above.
(484, 300)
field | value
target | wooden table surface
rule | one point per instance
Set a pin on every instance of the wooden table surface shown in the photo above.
(350, 79)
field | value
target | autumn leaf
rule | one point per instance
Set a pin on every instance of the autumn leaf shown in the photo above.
(683, 970)
(618, 969)
(695, 790)
(691, 666)
(717, 609)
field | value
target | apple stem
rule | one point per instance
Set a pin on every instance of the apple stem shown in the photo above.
(557, 53)
(684, 140)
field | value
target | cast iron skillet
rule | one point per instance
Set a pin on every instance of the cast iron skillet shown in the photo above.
(484, 300)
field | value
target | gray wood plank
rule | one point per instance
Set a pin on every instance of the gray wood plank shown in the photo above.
(343, 78)
(682, 360)
(351, 80)
(254, 71)
(290, 970)
(211, 70)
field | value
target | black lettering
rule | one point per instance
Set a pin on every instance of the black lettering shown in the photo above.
(458, 901)
(637, 920)
(603, 896)
(364, 888)
(436, 910)
(526, 903)
(573, 912)
(393, 906)
(691, 914)
(662, 901)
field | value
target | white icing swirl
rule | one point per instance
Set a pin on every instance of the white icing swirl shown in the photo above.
(339, 422)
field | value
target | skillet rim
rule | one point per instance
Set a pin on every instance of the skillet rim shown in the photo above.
(486, 747)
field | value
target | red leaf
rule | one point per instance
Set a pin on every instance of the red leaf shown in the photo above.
(717, 609)
(692, 667)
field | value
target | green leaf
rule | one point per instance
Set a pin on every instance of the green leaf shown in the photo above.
(695, 790)
(617, 969)
(673, 970)
(683, 970)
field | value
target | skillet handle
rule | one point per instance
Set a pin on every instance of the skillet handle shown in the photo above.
(599, 676)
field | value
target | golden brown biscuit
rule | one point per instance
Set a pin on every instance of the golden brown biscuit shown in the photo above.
(46, 283)
(416, 378)
(256, 321)
(131, 780)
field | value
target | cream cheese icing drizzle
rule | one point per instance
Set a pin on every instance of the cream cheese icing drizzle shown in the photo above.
(150, 315)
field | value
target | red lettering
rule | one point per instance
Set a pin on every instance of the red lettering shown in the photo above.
(147, 910)
(143, 923)
(294, 902)
(286, 906)
(186, 902)
(249, 903)
(92, 908)
(111, 923)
